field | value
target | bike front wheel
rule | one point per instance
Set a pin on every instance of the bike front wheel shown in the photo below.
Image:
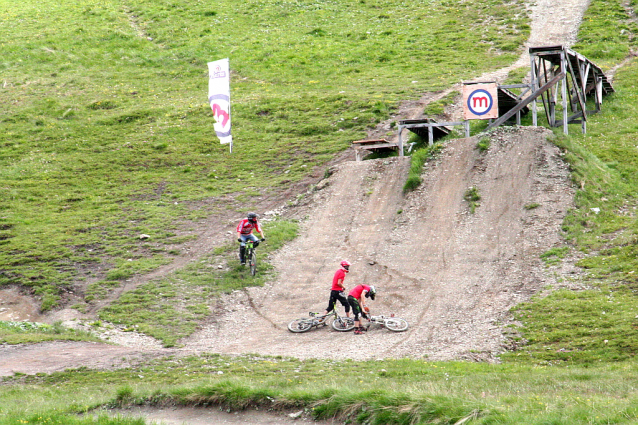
(396, 324)
(253, 262)
(300, 325)
(343, 324)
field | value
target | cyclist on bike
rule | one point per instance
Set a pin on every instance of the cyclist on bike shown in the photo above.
(245, 232)
(356, 298)
(337, 290)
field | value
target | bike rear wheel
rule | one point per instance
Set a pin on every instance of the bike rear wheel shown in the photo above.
(343, 324)
(253, 262)
(396, 324)
(300, 325)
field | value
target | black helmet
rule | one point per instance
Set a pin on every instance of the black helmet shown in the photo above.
(252, 216)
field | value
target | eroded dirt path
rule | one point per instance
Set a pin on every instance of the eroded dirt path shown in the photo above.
(452, 274)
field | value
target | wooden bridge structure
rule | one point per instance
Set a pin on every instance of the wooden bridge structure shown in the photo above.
(559, 70)
(564, 81)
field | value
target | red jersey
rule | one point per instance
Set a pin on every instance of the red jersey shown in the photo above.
(339, 274)
(245, 227)
(357, 290)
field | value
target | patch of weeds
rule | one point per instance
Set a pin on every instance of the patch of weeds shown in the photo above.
(102, 104)
(417, 160)
(472, 197)
(99, 290)
(33, 332)
(483, 144)
(437, 108)
(554, 255)
(532, 206)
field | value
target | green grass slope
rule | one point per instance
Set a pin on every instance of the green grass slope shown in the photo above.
(107, 133)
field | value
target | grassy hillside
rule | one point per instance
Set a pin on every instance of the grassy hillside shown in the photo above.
(107, 133)
(71, 198)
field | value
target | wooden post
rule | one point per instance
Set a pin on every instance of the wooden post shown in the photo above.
(533, 84)
(563, 70)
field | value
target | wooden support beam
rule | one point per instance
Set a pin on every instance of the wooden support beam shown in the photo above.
(579, 93)
(527, 101)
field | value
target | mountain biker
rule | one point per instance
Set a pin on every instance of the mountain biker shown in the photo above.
(356, 298)
(337, 289)
(245, 232)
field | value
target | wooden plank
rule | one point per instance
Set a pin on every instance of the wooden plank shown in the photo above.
(378, 146)
(364, 142)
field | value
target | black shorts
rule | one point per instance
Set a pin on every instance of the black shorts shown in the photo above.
(356, 308)
(337, 295)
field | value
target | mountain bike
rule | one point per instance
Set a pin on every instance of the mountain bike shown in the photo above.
(251, 256)
(339, 323)
(394, 324)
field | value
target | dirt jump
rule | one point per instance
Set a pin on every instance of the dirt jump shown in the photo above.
(451, 273)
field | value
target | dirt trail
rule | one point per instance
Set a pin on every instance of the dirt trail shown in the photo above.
(453, 275)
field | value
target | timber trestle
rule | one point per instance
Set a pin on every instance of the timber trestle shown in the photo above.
(564, 80)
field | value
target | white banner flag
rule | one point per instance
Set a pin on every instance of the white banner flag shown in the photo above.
(219, 98)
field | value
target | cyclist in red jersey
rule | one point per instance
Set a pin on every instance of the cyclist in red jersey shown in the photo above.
(337, 289)
(245, 232)
(356, 298)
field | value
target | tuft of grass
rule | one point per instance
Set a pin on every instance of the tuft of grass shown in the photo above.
(472, 196)
(483, 144)
(554, 255)
(32, 332)
(417, 161)
(532, 206)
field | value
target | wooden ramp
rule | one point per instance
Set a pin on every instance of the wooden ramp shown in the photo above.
(422, 128)
(507, 101)
(373, 145)
(564, 81)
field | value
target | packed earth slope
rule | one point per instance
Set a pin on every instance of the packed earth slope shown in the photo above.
(451, 273)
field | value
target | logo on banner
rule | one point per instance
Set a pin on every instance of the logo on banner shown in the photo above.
(218, 72)
(220, 105)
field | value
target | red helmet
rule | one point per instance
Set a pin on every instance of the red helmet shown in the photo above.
(345, 264)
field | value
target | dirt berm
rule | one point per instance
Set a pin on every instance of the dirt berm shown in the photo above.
(453, 274)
